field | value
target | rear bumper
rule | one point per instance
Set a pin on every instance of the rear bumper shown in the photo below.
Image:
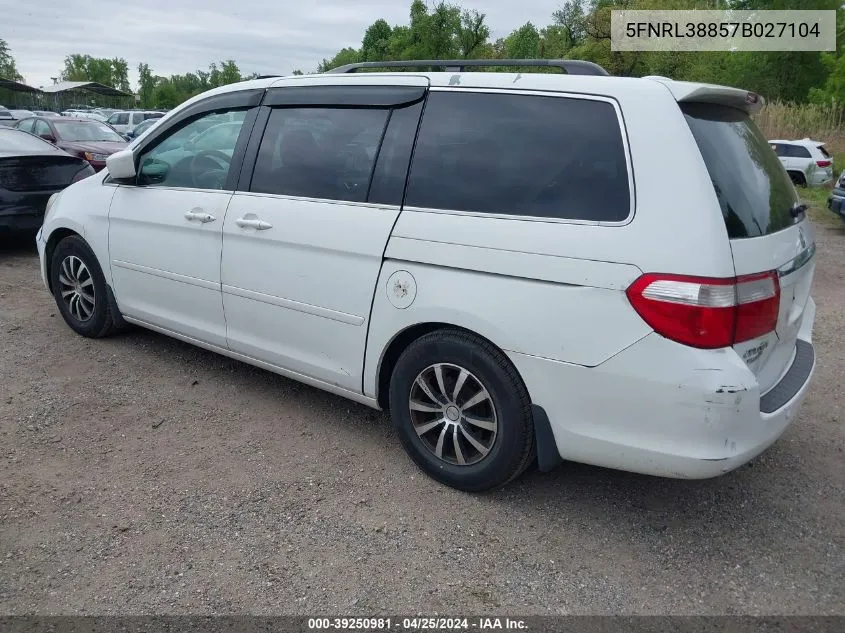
(663, 409)
(21, 222)
(819, 178)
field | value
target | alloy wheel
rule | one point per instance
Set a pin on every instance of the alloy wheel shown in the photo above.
(453, 414)
(77, 288)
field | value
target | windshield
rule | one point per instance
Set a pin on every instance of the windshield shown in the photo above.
(86, 131)
(754, 191)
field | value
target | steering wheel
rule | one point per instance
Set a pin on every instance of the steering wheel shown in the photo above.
(218, 161)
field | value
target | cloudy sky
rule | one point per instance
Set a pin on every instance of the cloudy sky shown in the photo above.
(178, 36)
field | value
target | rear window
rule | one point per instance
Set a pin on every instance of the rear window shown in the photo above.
(548, 157)
(823, 151)
(754, 191)
(18, 141)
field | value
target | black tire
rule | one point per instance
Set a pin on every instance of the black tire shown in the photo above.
(512, 445)
(798, 179)
(102, 320)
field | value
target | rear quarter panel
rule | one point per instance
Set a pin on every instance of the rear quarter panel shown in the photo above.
(556, 289)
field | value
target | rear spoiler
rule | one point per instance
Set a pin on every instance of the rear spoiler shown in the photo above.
(749, 102)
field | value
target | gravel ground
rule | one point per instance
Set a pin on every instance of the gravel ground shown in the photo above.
(142, 475)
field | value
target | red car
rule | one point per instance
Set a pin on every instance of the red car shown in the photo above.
(86, 138)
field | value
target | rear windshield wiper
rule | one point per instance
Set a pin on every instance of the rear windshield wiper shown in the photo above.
(798, 210)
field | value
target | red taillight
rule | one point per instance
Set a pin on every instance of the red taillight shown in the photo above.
(707, 312)
(823, 163)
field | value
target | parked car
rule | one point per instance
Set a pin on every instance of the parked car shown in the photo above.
(20, 114)
(806, 161)
(836, 200)
(92, 140)
(6, 117)
(45, 113)
(105, 112)
(472, 252)
(125, 122)
(142, 127)
(31, 170)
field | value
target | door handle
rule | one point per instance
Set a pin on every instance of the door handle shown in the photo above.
(259, 225)
(200, 217)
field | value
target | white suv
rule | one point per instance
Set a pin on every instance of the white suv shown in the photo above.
(504, 261)
(125, 122)
(806, 161)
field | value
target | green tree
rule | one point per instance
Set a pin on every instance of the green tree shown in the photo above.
(523, 43)
(374, 47)
(442, 29)
(229, 72)
(568, 22)
(834, 86)
(109, 72)
(8, 68)
(166, 95)
(120, 74)
(344, 56)
(472, 34)
(146, 85)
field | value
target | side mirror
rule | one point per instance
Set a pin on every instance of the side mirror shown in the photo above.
(48, 137)
(121, 165)
(153, 172)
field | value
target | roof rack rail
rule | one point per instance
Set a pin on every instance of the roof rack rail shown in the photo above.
(571, 66)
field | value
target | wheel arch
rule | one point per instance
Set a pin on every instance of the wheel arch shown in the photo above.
(402, 339)
(797, 176)
(57, 235)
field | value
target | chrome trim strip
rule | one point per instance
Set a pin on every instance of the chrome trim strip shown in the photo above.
(307, 308)
(194, 281)
(800, 260)
(346, 203)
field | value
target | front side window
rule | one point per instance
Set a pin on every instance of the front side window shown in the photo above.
(524, 155)
(324, 153)
(189, 158)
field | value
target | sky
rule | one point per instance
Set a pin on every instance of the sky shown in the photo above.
(179, 36)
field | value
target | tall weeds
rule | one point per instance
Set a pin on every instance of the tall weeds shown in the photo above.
(790, 121)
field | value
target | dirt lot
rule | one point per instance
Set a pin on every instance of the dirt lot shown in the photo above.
(142, 475)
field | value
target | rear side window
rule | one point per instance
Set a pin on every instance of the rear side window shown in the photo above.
(754, 191)
(548, 157)
(798, 151)
(15, 140)
(325, 153)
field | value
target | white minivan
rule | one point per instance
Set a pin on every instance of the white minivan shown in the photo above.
(503, 261)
